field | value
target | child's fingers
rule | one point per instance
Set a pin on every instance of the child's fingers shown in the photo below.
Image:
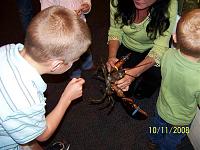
(80, 80)
(77, 80)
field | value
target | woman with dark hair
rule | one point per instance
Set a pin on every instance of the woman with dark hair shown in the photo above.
(143, 28)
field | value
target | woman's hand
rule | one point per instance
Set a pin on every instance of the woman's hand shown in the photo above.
(135, 72)
(111, 63)
(125, 82)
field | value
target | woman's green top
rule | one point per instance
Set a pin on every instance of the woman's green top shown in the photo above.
(135, 38)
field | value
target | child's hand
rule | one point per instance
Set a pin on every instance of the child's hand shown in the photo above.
(73, 89)
(85, 8)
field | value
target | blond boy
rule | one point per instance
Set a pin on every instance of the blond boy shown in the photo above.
(80, 7)
(55, 39)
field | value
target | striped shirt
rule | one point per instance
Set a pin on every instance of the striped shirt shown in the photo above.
(22, 102)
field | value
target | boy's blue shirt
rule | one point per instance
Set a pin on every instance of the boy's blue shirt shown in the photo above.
(22, 113)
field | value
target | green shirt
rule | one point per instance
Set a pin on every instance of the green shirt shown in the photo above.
(180, 88)
(135, 37)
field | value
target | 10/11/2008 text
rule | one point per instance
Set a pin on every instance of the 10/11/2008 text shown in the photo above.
(168, 130)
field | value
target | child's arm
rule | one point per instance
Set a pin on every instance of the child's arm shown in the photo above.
(71, 92)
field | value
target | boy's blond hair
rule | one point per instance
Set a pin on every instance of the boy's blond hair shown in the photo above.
(57, 33)
(188, 33)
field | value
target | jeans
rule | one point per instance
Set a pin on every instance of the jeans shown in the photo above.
(26, 12)
(85, 63)
(164, 134)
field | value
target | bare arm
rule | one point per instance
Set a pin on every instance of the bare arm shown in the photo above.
(71, 92)
(113, 48)
(144, 65)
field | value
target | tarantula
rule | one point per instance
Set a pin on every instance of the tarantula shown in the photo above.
(111, 89)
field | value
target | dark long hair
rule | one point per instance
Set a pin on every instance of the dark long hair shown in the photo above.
(159, 18)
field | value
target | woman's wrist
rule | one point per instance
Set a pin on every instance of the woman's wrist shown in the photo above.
(135, 72)
(111, 57)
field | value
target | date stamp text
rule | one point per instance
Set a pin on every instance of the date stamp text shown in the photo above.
(167, 130)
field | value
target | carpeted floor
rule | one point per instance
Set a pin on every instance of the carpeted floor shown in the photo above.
(84, 126)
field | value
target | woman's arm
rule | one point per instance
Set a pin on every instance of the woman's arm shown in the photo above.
(114, 37)
(161, 44)
(135, 72)
(113, 46)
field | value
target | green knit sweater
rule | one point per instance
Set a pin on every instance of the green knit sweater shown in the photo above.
(135, 36)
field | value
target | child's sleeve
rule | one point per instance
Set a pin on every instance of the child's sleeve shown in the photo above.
(161, 43)
(25, 125)
(48, 3)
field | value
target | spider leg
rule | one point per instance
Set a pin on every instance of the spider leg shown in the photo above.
(112, 103)
(100, 78)
(100, 100)
(107, 104)
(101, 73)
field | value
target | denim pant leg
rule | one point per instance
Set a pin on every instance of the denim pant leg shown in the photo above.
(84, 63)
(171, 139)
(26, 12)
(156, 129)
(162, 133)
(87, 62)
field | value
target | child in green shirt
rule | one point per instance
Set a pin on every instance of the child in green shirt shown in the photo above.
(179, 94)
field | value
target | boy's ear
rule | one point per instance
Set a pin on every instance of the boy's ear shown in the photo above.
(56, 64)
(174, 37)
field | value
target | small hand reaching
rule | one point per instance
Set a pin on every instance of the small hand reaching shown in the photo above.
(74, 89)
